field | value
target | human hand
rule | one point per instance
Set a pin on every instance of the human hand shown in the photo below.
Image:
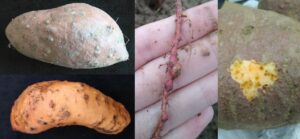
(194, 91)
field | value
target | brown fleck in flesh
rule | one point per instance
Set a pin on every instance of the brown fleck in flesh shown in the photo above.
(275, 105)
(61, 109)
(75, 35)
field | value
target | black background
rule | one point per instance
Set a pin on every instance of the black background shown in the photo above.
(120, 88)
(13, 62)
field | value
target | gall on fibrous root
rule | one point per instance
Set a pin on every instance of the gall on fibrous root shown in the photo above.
(173, 71)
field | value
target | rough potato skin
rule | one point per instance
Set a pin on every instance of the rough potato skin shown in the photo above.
(247, 33)
(75, 35)
(285, 7)
(52, 104)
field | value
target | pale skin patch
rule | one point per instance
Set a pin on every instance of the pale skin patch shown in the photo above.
(252, 76)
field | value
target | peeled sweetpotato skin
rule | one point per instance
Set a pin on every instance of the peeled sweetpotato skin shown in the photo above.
(286, 7)
(76, 35)
(51, 104)
(263, 36)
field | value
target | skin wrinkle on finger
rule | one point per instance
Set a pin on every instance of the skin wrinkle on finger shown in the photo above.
(184, 104)
(149, 79)
(154, 39)
(193, 127)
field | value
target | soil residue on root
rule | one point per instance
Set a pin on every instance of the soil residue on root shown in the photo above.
(147, 12)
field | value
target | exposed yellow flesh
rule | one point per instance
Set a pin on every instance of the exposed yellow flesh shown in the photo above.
(252, 76)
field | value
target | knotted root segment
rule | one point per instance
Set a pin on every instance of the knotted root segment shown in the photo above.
(173, 71)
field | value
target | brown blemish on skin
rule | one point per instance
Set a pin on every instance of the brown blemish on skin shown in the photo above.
(114, 125)
(86, 98)
(59, 124)
(98, 99)
(81, 84)
(32, 128)
(100, 122)
(52, 104)
(248, 30)
(115, 117)
(104, 130)
(44, 88)
(65, 114)
(42, 122)
(36, 97)
(26, 115)
(106, 101)
(205, 52)
(26, 123)
(16, 123)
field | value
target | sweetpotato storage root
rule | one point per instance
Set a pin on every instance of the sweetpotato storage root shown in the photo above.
(52, 104)
(259, 69)
(76, 35)
(286, 7)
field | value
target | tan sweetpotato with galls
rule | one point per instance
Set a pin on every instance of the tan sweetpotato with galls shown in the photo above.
(52, 104)
(263, 47)
(75, 35)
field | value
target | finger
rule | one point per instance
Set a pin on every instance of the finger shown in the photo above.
(154, 40)
(193, 127)
(197, 60)
(183, 105)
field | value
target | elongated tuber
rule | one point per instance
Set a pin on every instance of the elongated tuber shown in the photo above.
(52, 104)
